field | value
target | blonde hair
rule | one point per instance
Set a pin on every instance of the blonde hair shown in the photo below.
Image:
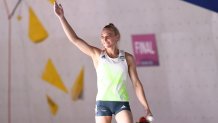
(113, 28)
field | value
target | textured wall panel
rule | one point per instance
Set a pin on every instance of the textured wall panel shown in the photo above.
(183, 88)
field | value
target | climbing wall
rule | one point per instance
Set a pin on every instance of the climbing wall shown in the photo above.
(46, 79)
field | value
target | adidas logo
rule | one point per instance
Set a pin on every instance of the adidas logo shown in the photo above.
(103, 56)
(123, 107)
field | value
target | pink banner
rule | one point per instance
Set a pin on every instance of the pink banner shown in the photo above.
(145, 50)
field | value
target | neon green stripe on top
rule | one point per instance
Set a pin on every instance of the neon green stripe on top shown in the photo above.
(111, 80)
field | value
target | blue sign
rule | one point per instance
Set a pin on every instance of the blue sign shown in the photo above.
(208, 4)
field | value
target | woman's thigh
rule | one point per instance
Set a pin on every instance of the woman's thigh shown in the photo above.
(124, 116)
(103, 119)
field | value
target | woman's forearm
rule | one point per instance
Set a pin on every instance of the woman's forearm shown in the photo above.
(68, 30)
(141, 96)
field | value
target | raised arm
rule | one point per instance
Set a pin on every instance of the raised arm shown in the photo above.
(72, 36)
(136, 83)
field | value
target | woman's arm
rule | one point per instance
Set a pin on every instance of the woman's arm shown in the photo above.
(72, 36)
(136, 83)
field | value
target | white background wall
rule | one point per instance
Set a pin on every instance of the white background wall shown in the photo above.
(182, 89)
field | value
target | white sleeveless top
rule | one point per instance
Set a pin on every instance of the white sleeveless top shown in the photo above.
(111, 78)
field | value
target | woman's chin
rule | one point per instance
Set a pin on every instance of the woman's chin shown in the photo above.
(107, 46)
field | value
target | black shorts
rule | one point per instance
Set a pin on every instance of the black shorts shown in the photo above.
(108, 108)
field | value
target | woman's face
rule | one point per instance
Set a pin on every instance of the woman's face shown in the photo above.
(108, 38)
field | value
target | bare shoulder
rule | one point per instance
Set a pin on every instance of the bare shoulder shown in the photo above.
(128, 55)
(129, 58)
(97, 51)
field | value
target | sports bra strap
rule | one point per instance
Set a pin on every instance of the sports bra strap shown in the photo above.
(122, 55)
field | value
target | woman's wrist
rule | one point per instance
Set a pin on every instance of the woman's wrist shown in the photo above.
(148, 111)
(61, 17)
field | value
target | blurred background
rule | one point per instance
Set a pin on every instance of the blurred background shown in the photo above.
(45, 79)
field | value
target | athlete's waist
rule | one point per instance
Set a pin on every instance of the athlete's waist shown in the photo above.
(112, 98)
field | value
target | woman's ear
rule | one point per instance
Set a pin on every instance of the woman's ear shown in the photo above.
(117, 37)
